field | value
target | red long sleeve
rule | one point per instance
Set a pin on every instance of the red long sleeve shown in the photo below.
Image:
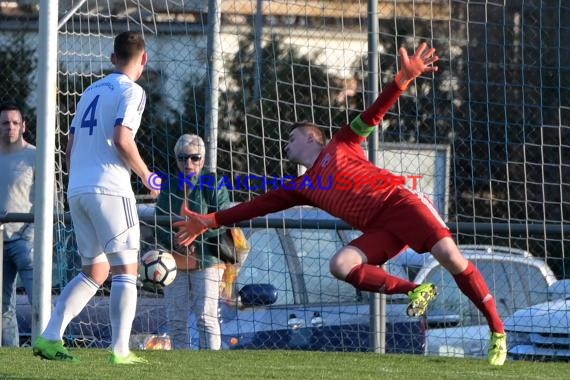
(374, 114)
(272, 201)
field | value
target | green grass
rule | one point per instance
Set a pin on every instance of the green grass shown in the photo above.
(234, 365)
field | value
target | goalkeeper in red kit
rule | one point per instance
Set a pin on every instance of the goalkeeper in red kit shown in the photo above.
(390, 217)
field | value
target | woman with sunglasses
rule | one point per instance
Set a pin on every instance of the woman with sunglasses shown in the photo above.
(196, 288)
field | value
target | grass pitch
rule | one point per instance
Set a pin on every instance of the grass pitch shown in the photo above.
(234, 365)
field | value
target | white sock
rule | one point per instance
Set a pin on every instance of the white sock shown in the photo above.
(122, 307)
(72, 300)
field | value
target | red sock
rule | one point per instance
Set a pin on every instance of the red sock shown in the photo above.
(375, 279)
(473, 285)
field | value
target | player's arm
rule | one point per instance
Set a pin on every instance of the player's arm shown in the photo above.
(412, 67)
(272, 201)
(127, 148)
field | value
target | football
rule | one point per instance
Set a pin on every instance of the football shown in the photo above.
(157, 269)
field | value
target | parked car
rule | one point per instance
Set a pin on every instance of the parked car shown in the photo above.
(311, 309)
(542, 331)
(289, 300)
(454, 326)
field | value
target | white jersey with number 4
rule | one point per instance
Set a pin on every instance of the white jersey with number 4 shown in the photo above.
(96, 166)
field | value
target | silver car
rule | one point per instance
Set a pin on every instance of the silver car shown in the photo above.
(455, 327)
(542, 331)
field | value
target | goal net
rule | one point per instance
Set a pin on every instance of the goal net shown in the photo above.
(488, 135)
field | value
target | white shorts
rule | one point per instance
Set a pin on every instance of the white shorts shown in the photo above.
(104, 224)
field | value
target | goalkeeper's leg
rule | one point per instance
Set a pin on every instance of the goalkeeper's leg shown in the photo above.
(469, 280)
(373, 278)
(474, 286)
(359, 263)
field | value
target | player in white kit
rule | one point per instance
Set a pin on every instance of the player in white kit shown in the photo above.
(100, 156)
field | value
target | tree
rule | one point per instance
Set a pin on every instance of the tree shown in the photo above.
(17, 64)
(252, 131)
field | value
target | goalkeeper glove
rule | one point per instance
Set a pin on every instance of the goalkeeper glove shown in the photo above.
(194, 226)
(412, 67)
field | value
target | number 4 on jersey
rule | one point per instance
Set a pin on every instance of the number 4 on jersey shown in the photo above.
(88, 120)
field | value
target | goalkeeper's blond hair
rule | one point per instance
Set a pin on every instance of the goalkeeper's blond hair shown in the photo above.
(309, 128)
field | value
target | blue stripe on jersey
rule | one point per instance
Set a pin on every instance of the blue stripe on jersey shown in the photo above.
(128, 212)
(72, 130)
(119, 121)
(142, 103)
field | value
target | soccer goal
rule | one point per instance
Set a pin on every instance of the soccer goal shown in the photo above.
(240, 72)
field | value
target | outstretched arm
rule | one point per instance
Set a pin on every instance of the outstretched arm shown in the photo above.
(412, 67)
(272, 201)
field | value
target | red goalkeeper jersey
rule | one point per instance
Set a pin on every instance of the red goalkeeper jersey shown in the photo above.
(342, 181)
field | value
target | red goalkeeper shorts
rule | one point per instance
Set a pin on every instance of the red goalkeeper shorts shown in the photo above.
(407, 218)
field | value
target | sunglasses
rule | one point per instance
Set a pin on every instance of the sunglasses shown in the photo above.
(192, 157)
